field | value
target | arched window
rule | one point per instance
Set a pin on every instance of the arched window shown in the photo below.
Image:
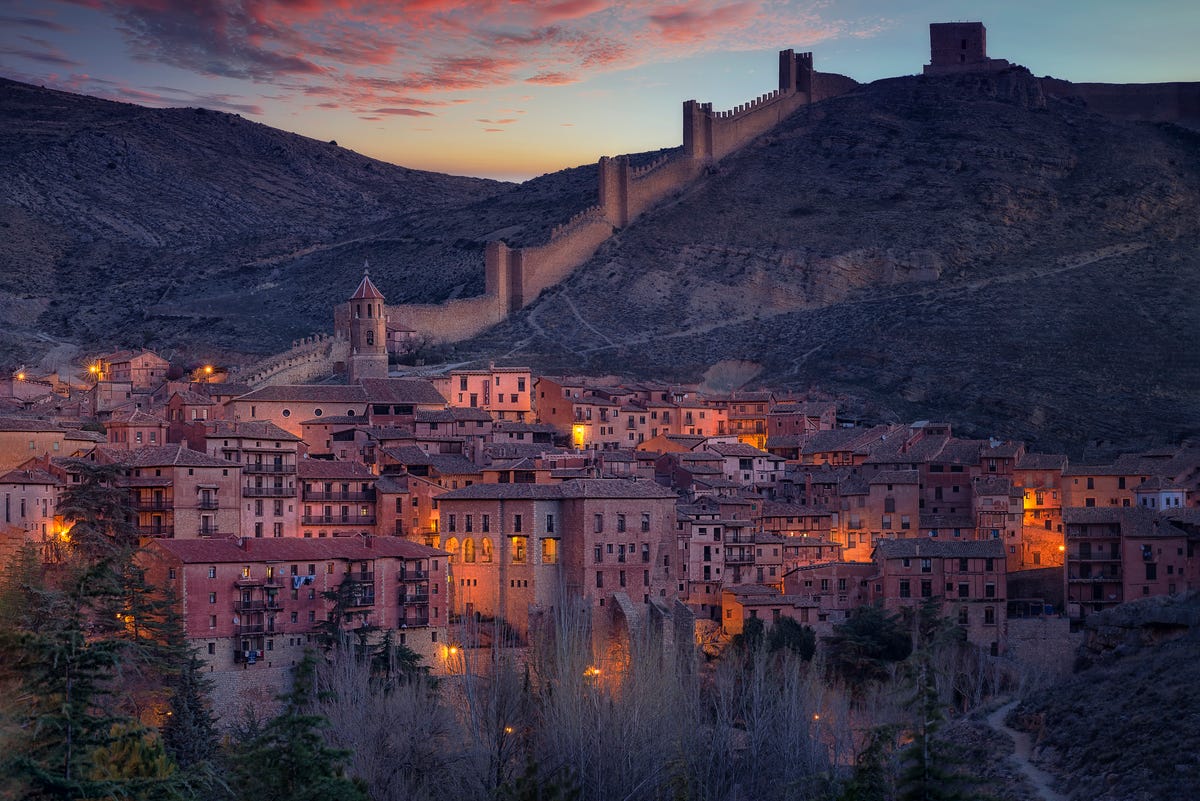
(370, 337)
(468, 550)
(485, 549)
(452, 549)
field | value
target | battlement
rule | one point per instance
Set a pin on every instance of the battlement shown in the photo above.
(513, 277)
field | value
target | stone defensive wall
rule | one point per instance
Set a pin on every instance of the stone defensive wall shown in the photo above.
(308, 359)
(1152, 102)
(514, 277)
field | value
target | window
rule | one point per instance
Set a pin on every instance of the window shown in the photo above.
(963, 616)
(620, 523)
(549, 551)
(486, 524)
(518, 550)
(598, 553)
(905, 591)
(989, 615)
(212, 571)
(453, 523)
(212, 597)
(964, 590)
(597, 523)
(645, 521)
(599, 579)
(516, 522)
(549, 524)
(926, 565)
(963, 565)
(989, 590)
(926, 589)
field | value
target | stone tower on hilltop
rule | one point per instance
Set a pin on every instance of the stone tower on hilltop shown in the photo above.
(960, 47)
(363, 321)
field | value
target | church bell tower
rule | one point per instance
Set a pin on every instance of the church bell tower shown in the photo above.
(368, 332)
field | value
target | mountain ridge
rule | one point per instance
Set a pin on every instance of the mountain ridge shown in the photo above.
(881, 245)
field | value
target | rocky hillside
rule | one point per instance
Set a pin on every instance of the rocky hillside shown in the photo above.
(957, 247)
(189, 228)
(1125, 727)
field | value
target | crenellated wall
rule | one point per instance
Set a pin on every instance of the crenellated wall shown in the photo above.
(514, 277)
(309, 358)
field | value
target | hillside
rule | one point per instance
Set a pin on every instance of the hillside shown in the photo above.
(194, 229)
(960, 247)
(1124, 728)
(957, 247)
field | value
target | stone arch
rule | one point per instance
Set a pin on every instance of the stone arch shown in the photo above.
(485, 549)
(468, 550)
(452, 549)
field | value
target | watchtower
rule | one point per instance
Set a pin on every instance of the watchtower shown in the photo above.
(959, 47)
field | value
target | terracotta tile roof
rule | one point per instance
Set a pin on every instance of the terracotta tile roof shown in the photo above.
(1134, 521)
(27, 424)
(896, 477)
(330, 468)
(190, 398)
(308, 393)
(29, 476)
(248, 429)
(136, 417)
(741, 449)
(170, 456)
(292, 549)
(993, 485)
(366, 289)
(401, 391)
(1042, 461)
(921, 547)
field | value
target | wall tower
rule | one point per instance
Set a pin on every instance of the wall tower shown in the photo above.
(368, 331)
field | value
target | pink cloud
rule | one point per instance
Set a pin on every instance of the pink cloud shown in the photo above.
(402, 112)
(552, 78)
(686, 23)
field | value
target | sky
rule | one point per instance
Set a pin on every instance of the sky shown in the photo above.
(512, 89)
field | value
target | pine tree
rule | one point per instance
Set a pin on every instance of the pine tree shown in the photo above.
(931, 772)
(289, 758)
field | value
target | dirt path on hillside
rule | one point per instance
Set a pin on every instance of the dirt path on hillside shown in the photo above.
(1022, 748)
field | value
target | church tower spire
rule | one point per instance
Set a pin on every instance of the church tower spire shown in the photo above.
(368, 330)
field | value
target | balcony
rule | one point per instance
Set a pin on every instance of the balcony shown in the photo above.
(268, 492)
(413, 574)
(251, 629)
(250, 606)
(213, 531)
(362, 599)
(337, 520)
(208, 503)
(414, 621)
(153, 505)
(369, 495)
(739, 558)
(156, 531)
(273, 469)
(414, 598)
(249, 657)
(367, 577)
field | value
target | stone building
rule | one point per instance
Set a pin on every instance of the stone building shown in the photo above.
(251, 607)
